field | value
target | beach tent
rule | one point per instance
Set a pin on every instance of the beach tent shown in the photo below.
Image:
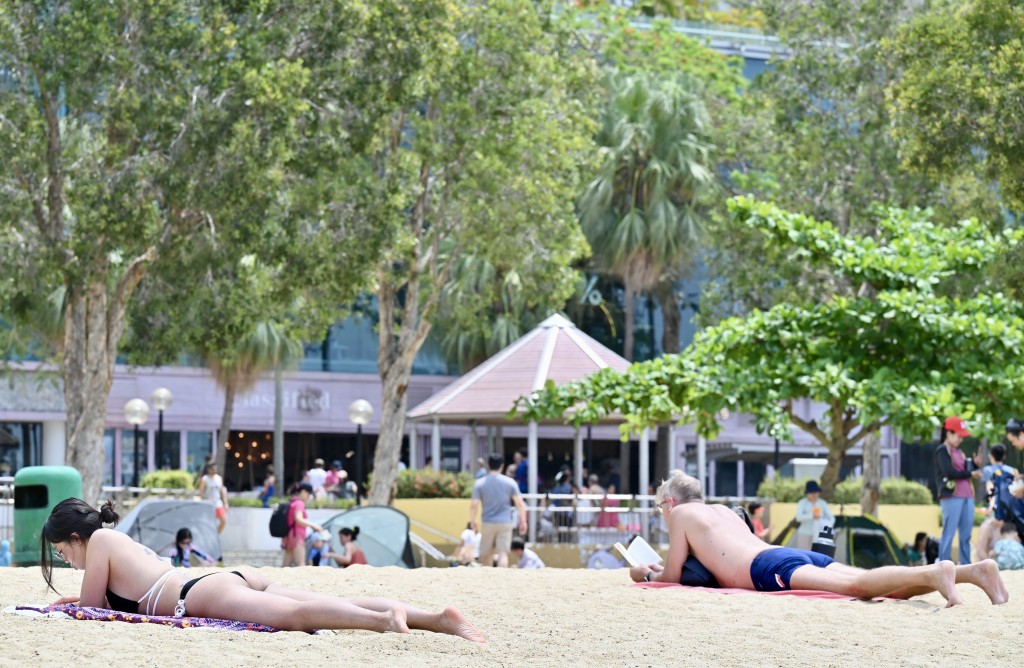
(861, 540)
(155, 523)
(383, 535)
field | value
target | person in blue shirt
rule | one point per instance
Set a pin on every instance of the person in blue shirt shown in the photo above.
(522, 474)
(5, 552)
(1000, 476)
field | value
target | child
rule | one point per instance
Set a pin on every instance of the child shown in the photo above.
(317, 550)
(527, 557)
(998, 476)
(5, 552)
(185, 554)
(1008, 551)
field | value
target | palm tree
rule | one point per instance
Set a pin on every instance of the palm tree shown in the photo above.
(641, 212)
(267, 346)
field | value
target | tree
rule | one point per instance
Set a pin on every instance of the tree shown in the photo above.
(641, 212)
(816, 139)
(133, 132)
(896, 353)
(120, 121)
(486, 166)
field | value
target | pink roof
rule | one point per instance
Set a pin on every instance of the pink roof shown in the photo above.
(554, 350)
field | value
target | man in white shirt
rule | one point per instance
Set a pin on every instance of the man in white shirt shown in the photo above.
(316, 477)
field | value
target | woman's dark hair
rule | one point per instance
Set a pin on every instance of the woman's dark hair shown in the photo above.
(299, 486)
(754, 505)
(353, 532)
(921, 536)
(183, 534)
(71, 516)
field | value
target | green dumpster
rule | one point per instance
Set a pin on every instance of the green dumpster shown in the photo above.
(37, 489)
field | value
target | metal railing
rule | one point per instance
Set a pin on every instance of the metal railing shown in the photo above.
(592, 519)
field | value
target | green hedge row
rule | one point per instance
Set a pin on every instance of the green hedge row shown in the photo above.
(894, 491)
(430, 484)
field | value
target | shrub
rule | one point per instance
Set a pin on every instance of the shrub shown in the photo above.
(783, 490)
(312, 504)
(430, 484)
(894, 491)
(167, 479)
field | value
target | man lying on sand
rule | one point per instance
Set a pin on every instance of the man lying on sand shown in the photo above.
(738, 558)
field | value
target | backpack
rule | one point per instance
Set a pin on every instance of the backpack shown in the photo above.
(280, 520)
(1002, 478)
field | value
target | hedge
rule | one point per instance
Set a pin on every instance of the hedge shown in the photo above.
(176, 479)
(894, 491)
(430, 484)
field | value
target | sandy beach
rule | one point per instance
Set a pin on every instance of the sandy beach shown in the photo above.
(552, 617)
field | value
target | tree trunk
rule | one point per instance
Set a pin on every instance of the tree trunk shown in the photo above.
(393, 403)
(872, 474)
(830, 476)
(279, 429)
(94, 322)
(224, 432)
(670, 346)
(629, 306)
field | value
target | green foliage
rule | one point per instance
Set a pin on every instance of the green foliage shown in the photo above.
(167, 480)
(430, 484)
(331, 504)
(783, 490)
(815, 137)
(959, 92)
(894, 491)
(895, 353)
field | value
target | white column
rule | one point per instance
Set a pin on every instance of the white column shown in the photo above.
(740, 481)
(712, 477)
(499, 441)
(645, 463)
(413, 447)
(183, 450)
(673, 450)
(577, 458)
(55, 442)
(435, 445)
(702, 463)
(150, 452)
(531, 485)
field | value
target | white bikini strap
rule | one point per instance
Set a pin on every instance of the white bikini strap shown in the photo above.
(158, 588)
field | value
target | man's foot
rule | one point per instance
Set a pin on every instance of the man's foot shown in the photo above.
(396, 621)
(985, 574)
(944, 581)
(453, 622)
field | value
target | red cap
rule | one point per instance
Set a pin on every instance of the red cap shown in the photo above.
(956, 425)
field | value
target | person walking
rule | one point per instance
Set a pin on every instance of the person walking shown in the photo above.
(496, 494)
(954, 473)
(211, 488)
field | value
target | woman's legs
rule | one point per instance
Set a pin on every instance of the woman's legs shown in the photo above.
(949, 524)
(226, 596)
(449, 620)
(965, 529)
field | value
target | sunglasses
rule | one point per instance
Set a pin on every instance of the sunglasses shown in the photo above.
(60, 555)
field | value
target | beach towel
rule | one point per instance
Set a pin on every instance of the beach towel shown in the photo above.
(72, 611)
(800, 593)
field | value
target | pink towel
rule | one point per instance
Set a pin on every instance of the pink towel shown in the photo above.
(801, 593)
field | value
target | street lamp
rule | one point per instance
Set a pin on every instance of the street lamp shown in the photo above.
(161, 400)
(136, 412)
(359, 413)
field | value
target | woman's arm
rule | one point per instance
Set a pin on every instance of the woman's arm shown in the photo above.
(302, 521)
(804, 511)
(944, 462)
(97, 570)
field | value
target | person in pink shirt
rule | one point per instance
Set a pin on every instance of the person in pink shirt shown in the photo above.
(954, 474)
(294, 544)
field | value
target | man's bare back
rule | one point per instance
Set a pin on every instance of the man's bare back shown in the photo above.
(718, 538)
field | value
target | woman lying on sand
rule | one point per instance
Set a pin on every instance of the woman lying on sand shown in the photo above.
(123, 575)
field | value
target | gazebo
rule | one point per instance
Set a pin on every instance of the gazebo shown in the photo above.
(554, 350)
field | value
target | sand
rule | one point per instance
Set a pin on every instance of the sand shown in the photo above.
(551, 617)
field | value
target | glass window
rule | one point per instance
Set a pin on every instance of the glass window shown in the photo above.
(108, 457)
(168, 450)
(200, 444)
(128, 456)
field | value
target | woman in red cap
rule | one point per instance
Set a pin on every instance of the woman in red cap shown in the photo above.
(956, 494)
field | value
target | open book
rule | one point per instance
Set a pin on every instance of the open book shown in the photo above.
(639, 553)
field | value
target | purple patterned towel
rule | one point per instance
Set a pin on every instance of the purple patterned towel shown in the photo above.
(71, 611)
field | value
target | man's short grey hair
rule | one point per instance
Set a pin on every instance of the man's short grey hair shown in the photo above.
(681, 487)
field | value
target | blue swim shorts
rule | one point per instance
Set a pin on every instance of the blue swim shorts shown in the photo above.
(772, 569)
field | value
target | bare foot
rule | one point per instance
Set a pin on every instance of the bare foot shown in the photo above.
(944, 581)
(985, 574)
(452, 621)
(396, 621)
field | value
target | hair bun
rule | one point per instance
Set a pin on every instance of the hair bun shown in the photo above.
(107, 513)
